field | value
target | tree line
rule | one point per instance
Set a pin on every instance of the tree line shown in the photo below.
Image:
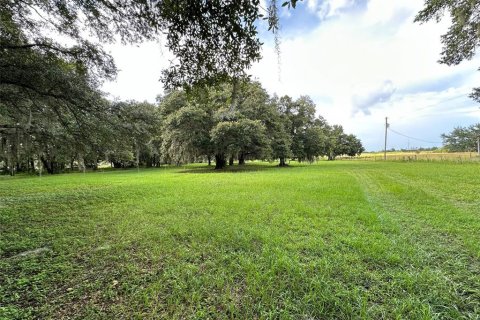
(205, 124)
(462, 139)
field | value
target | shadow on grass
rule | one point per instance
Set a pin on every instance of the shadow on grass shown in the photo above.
(251, 167)
(189, 168)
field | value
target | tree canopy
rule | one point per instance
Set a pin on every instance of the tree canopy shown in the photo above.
(211, 40)
(462, 139)
(463, 37)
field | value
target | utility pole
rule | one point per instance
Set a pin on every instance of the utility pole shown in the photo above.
(385, 147)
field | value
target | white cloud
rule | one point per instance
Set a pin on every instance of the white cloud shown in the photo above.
(328, 8)
(337, 5)
(367, 96)
(355, 61)
(139, 71)
(382, 12)
(312, 5)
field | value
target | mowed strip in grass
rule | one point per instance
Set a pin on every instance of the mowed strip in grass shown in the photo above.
(336, 240)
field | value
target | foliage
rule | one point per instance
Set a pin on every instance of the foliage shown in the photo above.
(212, 40)
(258, 127)
(205, 125)
(136, 127)
(339, 143)
(462, 139)
(245, 137)
(187, 135)
(462, 38)
(122, 133)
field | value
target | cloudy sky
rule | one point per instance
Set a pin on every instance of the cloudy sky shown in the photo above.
(359, 60)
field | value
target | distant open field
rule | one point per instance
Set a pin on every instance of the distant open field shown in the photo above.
(419, 156)
(333, 240)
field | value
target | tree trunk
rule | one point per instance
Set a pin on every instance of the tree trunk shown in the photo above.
(282, 162)
(230, 161)
(10, 161)
(220, 161)
(49, 165)
(15, 164)
(241, 159)
(81, 163)
(209, 158)
(117, 164)
(331, 156)
(32, 165)
(137, 157)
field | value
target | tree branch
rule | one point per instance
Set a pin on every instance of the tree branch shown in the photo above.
(39, 45)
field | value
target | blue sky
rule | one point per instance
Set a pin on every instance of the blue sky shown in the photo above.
(359, 60)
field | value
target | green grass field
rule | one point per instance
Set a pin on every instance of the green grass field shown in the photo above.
(335, 240)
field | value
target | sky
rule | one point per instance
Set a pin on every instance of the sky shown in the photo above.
(359, 60)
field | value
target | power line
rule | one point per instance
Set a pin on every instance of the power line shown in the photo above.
(413, 138)
(387, 125)
(386, 130)
(463, 95)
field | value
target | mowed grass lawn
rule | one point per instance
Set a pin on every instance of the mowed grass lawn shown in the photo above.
(335, 240)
